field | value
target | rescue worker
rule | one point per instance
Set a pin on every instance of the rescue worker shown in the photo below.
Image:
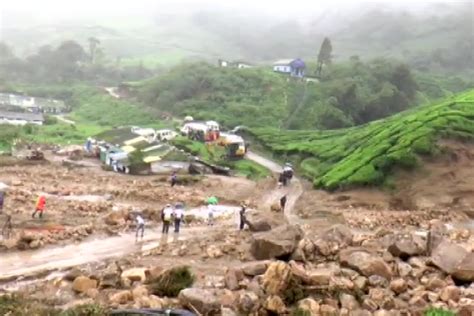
(40, 205)
(166, 216)
(140, 225)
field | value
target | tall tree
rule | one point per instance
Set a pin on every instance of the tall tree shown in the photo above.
(93, 43)
(324, 57)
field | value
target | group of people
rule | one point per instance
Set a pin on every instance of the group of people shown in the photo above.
(169, 215)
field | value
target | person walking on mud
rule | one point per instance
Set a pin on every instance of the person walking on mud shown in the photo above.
(210, 215)
(166, 216)
(174, 179)
(283, 202)
(2, 201)
(243, 219)
(40, 206)
(178, 217)
(140, 226)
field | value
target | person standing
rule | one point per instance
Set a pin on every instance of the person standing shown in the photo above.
(166, 216)
(243, 220)
(2, 201)
(283, 202)
(140, 225)
(178, 217)
(174, 179)
(210, 215)
(40, 206)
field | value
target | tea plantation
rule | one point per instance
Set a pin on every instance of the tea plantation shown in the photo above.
(366, 154)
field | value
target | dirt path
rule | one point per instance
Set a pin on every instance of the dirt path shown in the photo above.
(29, 263)
(293, 191)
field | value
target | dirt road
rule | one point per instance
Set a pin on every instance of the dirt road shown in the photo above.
(293, 191)
(29, 263)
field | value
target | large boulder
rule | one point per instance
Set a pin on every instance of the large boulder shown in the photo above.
(82, 284)
(364, 262)
(405, 246)
(465, 269)
(248, 302)
(116, 218)
(204, 301)
(275, 304)
(255, 268)
(259, 225)
(135, 274)
(277, 243)
(276, 278)
(121, 297)
(448, 256)
(309, 305)
(340, 234)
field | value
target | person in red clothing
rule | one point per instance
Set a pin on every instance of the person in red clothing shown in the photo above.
(40, 204)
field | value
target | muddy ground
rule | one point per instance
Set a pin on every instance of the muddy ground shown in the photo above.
(80, 200)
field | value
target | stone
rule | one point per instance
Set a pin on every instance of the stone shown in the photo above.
(360, 283)
(110, 278)
(232, 278)
(276, 278)
(364, 262)
(383, 312)
(448, 256)
(204, 301)
(405, 246)
(82, 283)
(398, 286)
(35, 244)
(340, 234)
(214, 252)
(72, 274)
(328, 310)
(378, 281)
(135, 274)
(225, 311)
(450, 293)
(92, 293)
(138, 292)
(417, 302)
(248, 302)
(277, 243)
(255, 268)
(121, 297)
(155, 301)
(348, 301)
(116, 218)
(464, 271)
(435, 283)
(258, 225)
(404, 269)
(369, 305)
(275, 304)
(309, 305)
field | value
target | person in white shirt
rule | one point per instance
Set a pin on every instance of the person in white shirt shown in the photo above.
(140, 225)
(210, 214)
(166, 216)
(178, 217)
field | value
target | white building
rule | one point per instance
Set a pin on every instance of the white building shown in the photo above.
(282, 65)
(17, 118)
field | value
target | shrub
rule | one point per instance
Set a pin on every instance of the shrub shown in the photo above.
(172, 281)
(438, 312)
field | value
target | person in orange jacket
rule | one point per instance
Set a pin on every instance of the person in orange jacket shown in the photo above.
(40, 204)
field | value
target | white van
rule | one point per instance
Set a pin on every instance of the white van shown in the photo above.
(165, 134)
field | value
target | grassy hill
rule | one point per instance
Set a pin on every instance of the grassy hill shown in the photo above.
(366, 155)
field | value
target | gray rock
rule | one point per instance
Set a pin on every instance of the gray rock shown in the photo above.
(277, 243)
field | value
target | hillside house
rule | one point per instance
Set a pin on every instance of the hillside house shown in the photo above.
(31, 104)
(294, 67)
(234, 64)
(18, 118)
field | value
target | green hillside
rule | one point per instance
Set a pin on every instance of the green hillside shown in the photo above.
(365, 155)
(348, 94)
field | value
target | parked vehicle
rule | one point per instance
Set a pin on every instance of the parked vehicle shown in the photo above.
(165, 134)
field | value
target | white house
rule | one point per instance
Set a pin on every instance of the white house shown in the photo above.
(282, 65)
(17, 118)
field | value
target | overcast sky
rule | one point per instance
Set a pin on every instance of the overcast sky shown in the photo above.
(45, 9)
